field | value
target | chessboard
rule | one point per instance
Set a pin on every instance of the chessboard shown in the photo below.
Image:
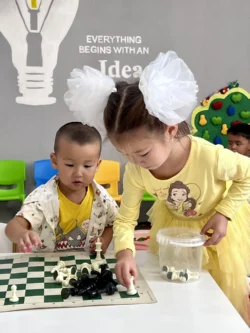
(36, 287)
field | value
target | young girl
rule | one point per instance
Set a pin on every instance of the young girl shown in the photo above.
(187, 175)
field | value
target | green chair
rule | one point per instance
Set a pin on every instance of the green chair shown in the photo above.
(148, 197)
(12, 178)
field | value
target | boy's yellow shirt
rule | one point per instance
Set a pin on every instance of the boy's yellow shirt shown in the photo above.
(73, 220)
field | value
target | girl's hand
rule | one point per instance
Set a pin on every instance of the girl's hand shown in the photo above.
(125, 267)
(217, 223)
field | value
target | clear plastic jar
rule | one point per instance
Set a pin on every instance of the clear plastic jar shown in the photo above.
(180, 254)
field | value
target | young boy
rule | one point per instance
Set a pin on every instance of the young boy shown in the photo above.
(71, 210)
(239, 139)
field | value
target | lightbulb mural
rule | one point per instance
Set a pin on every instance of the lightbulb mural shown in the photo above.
(35, 30)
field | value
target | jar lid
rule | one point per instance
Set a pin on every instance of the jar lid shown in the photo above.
(185, 237)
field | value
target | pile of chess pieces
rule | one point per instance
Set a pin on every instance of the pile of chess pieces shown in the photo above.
(91, 280)
(182, 275)
(91, 283)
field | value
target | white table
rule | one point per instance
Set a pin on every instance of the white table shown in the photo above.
(198, 307)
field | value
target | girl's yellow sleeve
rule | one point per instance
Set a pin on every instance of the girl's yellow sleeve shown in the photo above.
(234, 167)
(128, 213)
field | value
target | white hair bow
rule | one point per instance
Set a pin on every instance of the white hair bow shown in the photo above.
(169, 89)
(167, 84)
(88, 95)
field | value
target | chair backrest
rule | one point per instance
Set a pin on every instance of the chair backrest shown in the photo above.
(43, 171)
(5, 244)
(109, 174)
(12, 173)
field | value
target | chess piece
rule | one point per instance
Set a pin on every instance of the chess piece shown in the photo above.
(86, 268)
(191, 275)
(165, 268)
(14, 297)
(109, 289)
(173, 275)
(60, 277)
(59, 266)
(96, 266)
(131, 289)
(65, 283)
(98, 249)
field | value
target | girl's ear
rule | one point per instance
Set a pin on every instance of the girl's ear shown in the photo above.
(171, 131)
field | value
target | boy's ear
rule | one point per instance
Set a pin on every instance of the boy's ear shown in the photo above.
(98, 165)
(53, 160)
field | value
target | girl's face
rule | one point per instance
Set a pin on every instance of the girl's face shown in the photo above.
(149, 151)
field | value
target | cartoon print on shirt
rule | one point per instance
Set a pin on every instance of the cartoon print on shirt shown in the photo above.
(73, 239)
(183, 198)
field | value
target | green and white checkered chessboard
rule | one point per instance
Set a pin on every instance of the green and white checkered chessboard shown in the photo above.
(36, 288)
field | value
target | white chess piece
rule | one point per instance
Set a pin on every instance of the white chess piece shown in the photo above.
(60, 277)
(87, 266)
(14, 297)
(70, 271)
(96, 266)
(98, 249)
(65, 283)
(59, 266)
(191, 275)
(131, 290)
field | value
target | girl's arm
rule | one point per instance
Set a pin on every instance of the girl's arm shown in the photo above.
(129, 211)
(235, 167)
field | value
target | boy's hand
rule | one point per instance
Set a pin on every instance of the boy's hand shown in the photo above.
(125, 267)
(27, 240)
(217, 223)
(93, 242)
(105, 239)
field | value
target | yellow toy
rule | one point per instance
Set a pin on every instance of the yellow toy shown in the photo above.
(203, 120)
(224, 129)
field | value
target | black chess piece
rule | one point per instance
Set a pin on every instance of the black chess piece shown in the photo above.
(73, 282)
(66, 292)
(104, 267)
(106, 277)
(109, 289)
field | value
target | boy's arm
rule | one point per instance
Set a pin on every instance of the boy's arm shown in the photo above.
(21, 229)
(107, 234)
(105, 238)
(18, 231)
(16, 227)
(112, 211)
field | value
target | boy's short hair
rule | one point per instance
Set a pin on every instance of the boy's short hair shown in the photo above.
(241, 130)
(78, 133)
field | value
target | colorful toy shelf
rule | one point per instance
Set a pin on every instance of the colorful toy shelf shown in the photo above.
(212, 121)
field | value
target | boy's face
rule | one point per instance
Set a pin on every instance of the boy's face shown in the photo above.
(76, 164)
(238, 144)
